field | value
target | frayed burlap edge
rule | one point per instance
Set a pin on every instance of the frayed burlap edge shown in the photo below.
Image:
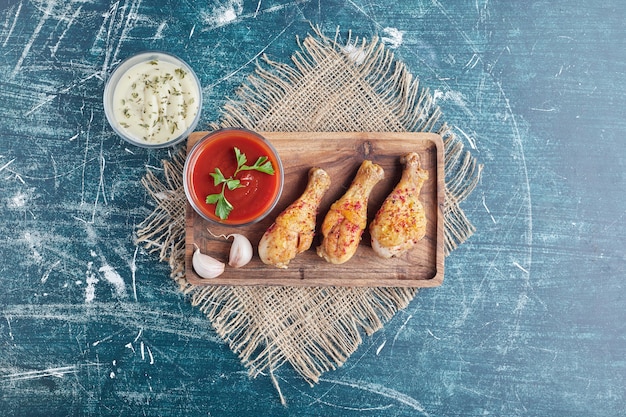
(163, 231)
(264, 325)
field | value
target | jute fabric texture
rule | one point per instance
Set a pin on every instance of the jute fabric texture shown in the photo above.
(351, 86)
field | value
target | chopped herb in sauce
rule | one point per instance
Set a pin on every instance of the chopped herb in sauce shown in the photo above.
(156, 101)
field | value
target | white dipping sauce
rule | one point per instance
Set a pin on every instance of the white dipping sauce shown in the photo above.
(155, 101)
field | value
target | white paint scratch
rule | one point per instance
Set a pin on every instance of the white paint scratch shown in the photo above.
(70, 22)
(393, 38)
(518, 138)
(117, 23)
(120, 312)
(380, 348)
(276, 8)
(33, 242)
(100, 36)
(138, 335)
(401, 328)
(156, 168)
(101, 188)
(521, 303)
(469, 42)
(97, 342)
(223, 14)
(87, 136)
(58, 372)
(128, 25)
(488, 211)
(455, 97)
(33, 37)
(258, 54)
(113, 278)
(159, 31)
(50, 97)
(520, 267)
(10, 32)
(382, 391)
(150, 354)
(360, 9)
(433, 335)
(18, 200)
(133, 271)
(3, 167)
(474, 60)
(470, 140)
(551, 109)
(10, 328)
(90, 290)
(107, 338)
(46, 274)
(558, 74)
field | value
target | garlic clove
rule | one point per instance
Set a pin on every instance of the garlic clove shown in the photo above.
(205, 265)
(240, 251)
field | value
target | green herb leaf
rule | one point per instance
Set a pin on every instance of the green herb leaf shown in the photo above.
(213, 198)
(262, 165)
(218, 177)
(233, 184)
(265, 166)
(222, 205)
(223, 208)
(241, 158)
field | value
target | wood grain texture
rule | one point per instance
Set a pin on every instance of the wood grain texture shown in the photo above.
(340, 154)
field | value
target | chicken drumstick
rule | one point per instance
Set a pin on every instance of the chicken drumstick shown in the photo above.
(292, 231)
(347, 218)
(401, 221)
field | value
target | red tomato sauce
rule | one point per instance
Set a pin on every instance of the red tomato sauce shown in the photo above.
(260, 190)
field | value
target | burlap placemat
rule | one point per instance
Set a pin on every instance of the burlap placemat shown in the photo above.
(352, 86)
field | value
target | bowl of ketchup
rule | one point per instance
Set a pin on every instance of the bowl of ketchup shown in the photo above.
(233, 177)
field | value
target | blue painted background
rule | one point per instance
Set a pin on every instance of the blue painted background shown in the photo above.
(530, 320)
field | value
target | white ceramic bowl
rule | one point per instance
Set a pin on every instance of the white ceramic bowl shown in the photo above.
(153, 99)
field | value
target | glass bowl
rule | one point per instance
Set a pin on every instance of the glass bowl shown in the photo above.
(211, 169)
(153, 99)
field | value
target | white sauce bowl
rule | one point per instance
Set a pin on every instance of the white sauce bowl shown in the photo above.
(153, 100)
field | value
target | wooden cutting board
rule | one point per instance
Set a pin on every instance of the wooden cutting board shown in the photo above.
(340, 154)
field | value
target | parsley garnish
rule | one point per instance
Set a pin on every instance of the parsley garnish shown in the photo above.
(222, 206)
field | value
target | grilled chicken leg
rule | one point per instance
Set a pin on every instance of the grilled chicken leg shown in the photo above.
(401, 221)
(347, 218)
(292, 231)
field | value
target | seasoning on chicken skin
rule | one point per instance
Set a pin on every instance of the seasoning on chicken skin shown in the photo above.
(293, 230)
(401, 220)
(346, 220)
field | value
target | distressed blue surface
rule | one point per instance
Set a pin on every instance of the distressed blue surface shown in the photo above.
(530, 320)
